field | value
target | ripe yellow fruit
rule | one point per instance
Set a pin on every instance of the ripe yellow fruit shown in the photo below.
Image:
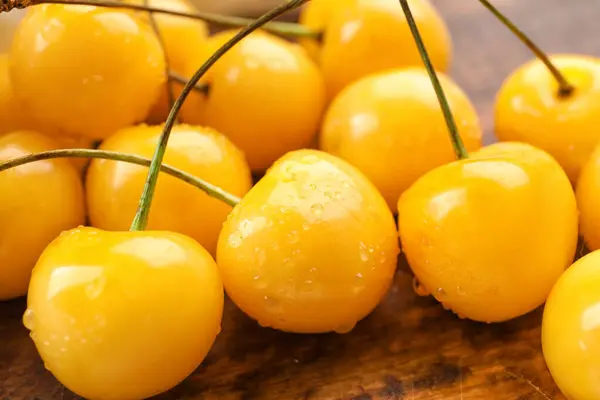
(490, 235)
(145, 307)
(390, 126)
(92, 72)
(311, 248)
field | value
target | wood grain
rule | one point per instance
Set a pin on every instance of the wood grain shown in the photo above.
(409, 348)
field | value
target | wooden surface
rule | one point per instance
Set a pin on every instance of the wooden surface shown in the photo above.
(409, 348)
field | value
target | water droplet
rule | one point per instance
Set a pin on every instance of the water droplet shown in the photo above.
(317, 209)
(296, 252)
(440, 292)
(460, 291)
(296, 361)
(359, 275)
(83, 341)
(33, 336)
(67, 338)
(337, 195)
(29, 319)
(293, 237)
(419, 288)
(47, 366)
(371, 249)
(46, 343)
(364, 254)
(261, 256)
(345, 328)
(96, 287)
(305, 226)
(63, 350)
(312, 186)
(235, 240)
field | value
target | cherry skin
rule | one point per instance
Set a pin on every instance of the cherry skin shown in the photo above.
(123, 315)
(12, 115)
(37, 202)
(362, 37)
(265, 94)
(315, 15)
(528, 109)
(113, 188)
(182, 38)
(489, 236)
(570, 330)
(311, 248)
(112, 82)
(391, 127)
(588, 193)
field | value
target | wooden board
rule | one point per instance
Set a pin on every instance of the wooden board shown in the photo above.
(409, 348)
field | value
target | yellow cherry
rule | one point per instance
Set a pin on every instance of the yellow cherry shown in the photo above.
(528, 109)
(311, 248)
(571, 330)
(113, 188)
(367, 36)
(37, 202)
(489, 236)
(123, 315)
(265, 94)
(182, 38)
(315, 15)
(391, 127)
(588, 200)
(92, 72)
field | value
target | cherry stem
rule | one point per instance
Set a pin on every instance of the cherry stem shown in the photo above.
(203, 88)
(564, 87)
(280, 28)
(210, 189)
(457, 142)
(141, 218)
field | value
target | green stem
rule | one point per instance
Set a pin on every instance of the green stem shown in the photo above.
(457, 142)
(211, 190)
(564, 87)
(280, 28)
(141, 218)
(200, 87)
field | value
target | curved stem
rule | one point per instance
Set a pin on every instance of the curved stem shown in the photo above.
(141, 218)
(564, 87)
(457, 142)
(211, 190)
(203, 88)
(280, 28)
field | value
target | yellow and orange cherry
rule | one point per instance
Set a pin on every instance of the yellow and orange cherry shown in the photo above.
(571, 330)
(123, 315)
(311, 248)
(489, 236)
(391, 127)
(588, 200)
(37, 202)
(265, 94)
(183, 39)
(113, 188)
(529, 109)
(92, 72)
(361, 37)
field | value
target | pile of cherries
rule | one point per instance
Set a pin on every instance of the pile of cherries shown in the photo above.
(349, 124)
